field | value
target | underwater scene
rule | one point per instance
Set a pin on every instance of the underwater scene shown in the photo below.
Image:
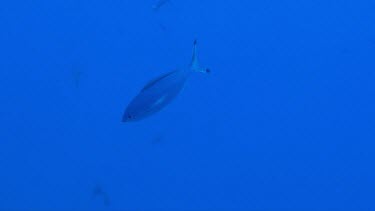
(194, 105)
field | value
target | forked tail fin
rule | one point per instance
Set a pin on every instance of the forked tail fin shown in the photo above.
(194, 65)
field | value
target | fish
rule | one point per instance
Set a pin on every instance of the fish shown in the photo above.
(77, 76)
(97, 192)
(159, 4)
(159, 92)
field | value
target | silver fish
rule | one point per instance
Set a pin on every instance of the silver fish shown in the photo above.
(160, 91)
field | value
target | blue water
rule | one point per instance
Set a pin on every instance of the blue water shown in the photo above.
(285, 120)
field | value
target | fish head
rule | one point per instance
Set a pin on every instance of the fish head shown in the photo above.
(145, 105)
(129, 116)
(135, 111)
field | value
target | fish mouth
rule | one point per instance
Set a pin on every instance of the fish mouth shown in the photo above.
(127, 118)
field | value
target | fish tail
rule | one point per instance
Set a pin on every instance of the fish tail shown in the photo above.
(194, 65)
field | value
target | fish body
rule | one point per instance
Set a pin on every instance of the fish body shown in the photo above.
(160, 91)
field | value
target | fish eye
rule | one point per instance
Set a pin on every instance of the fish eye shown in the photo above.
(130, 116)
(208, 70)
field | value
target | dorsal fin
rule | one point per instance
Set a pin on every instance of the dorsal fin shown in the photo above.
(155, 80)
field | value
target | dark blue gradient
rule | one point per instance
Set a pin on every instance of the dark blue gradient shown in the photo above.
(284, 121)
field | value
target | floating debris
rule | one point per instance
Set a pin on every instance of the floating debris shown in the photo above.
(160, 4)
(158, 139)
(77, 74)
